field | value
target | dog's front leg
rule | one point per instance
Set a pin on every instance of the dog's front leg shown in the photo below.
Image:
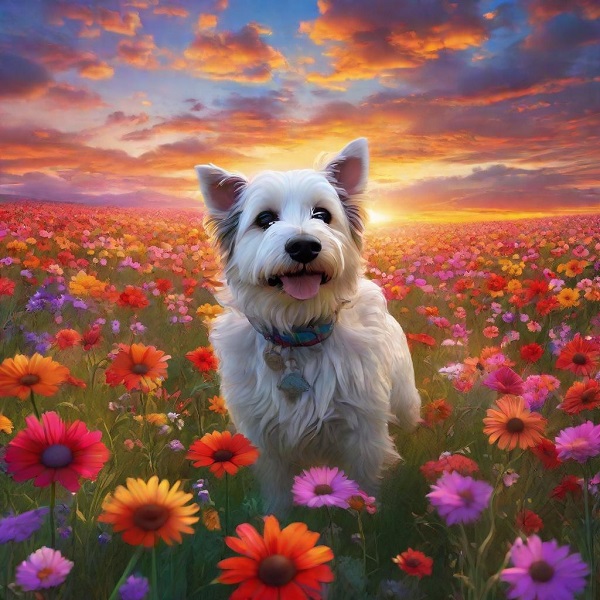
(276, 480)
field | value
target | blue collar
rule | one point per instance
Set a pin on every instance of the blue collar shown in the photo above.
(310, 335)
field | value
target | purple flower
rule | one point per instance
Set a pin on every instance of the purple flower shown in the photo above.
(323, 486)
(44, 568)
(579, 443)
(505, 381)
(134, 588)
(115, 326)
(176, 446)
(544, 570)
(459, 499)
(19, 528)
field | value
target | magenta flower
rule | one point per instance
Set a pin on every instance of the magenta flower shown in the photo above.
(458, 498)
(323, 486)
(505, 381)
(44, 568)
(579, 443)
(544, 570)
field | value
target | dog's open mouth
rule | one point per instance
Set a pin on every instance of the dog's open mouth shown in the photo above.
(301, 285)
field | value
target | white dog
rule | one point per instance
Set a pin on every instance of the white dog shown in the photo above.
(312, 365)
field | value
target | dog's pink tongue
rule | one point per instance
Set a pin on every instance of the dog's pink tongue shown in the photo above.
(302, 287)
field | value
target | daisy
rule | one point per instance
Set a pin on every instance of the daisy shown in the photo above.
(51, 450)
(436, 411)
(581, 396)
(579, 356)
(414, 563)
(505, 381)
(43, 569)
(203, 359)
(323, 486)
(544, 570)
(459, 499)
(512, 424)
(283, 563)
(138, 367)
(222, 452)
(579, 443)
(147, 512)
(21, 375)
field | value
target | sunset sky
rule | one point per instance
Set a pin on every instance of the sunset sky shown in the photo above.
(472, 109)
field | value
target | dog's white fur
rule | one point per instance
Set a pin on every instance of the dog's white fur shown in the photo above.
(360, 378)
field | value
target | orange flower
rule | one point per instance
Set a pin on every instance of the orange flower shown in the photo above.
(581, 396)
(67, 338)
(284, 563)
(222, 452)
(512, 424)
(203, 358)
(138, 367)
(436, 412)
(149, 511)
(579, 356)
(414, 562)
(21, 375)
(217, 405)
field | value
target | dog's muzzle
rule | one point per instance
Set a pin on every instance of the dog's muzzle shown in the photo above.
(303, 248)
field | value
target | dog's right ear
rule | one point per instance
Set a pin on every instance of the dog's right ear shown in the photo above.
(220, 189)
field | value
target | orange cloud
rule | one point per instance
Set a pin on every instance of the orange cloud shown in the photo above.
(207, 21)
(125, 24)
(365, 41)
(171, 11)
(69, 97)
(60, 11)
(241, 56)
(139, 53)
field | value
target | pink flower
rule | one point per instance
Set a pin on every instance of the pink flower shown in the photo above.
(579, 443)
(323, 486)
(459, 499)
(505, 381)
(45, 568)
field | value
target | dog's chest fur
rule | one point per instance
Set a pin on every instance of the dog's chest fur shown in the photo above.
(349, 376)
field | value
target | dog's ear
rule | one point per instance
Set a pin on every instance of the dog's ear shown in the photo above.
(220, 189)
(350, 168)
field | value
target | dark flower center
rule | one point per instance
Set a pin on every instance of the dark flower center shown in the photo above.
(276, 570)
(29, 379)
(541, 571)
(323, 489)
(588, 396)
(515, 425)
(579, 358)
(151, 517)
(223, 455)
(140, 369)
(57, 456)
(412, 562)
(467, 496)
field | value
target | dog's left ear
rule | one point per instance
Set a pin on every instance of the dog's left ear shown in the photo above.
(349, 170)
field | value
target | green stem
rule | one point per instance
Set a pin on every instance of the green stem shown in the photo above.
(52, 506)
(363, 542)
(589, 536)
(35, 408)
(130, 566)
(154, 577)
(226, 504)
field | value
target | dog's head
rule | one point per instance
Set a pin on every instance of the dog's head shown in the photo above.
(290, 240)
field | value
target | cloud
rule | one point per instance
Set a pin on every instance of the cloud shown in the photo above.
(241, 56)
(542, 10)
(120, 118)
(140, 52)
(366, 40)
(125, 24)
(171, 11)
(114, 21)
(68, 97)
(20, 77)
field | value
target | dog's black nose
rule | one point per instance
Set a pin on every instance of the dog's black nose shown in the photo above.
(303, 248)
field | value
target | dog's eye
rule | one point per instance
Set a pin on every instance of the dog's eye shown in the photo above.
(266, 218)
(322, 214)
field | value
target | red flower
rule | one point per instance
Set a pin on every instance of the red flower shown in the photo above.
(531, 352)
(505, 381)
(7, 286)
(570, 484)
(580, 356)
(547, 305)
(422, 338)
(436, 412)
(91, 337)
(138, 367)
(528, 522)
(546, 452)
(581, 396)
(52, 450)
(447, 464)
(414, 563)
(67, 338)
(163, 285)
(132, 297)
(203, 359)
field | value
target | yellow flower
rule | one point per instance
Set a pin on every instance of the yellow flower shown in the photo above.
(5, 424)
(568, 297)
(514, 285)
(16, 246)
(573, 267)
(209, 310)
(83, 284)
(157, 419)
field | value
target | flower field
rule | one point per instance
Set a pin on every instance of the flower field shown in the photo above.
(121, 477)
